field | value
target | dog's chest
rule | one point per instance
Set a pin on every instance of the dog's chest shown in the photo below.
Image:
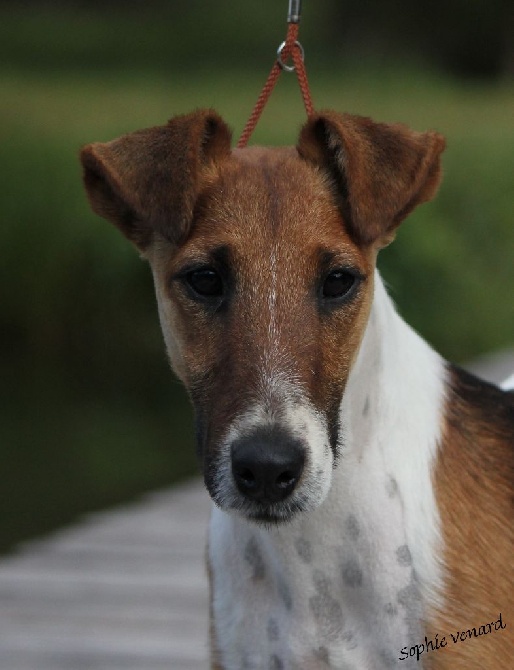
(335, 589)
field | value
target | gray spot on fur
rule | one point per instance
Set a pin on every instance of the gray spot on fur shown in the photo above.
(410, 599)
(391, 609)
(403, 556)
(322, 655)
(285, 595)
(391, 486)
(409, 596)
(388, 659)
(352, 527)
(348, 638)
(253, 556)
(321, 582)
(365, 410)
(304, 549)
(328, 615)
(352, 574)
(326, 610)
(275, 663)
(273, 631)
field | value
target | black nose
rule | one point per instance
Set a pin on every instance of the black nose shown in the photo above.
(267, 464)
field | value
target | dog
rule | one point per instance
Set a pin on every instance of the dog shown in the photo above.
(363, 487)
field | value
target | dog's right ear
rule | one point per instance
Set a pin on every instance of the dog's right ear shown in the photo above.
(149, 180)
(380, 171)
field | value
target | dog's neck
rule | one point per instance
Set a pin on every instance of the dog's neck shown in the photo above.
(365, 560)
(392, 413)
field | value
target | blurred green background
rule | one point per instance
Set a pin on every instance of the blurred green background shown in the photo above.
(89, 413)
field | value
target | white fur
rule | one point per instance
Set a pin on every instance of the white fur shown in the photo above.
(301, 420)
(272, 298)
(337, 587)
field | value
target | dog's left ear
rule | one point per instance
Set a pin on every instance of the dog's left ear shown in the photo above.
(381, 172)
(149, 181)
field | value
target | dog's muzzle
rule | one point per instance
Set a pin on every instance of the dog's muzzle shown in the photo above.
(269, 469)
(267, 465)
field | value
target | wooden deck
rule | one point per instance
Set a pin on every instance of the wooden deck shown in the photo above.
(125, 589)
(122, 590)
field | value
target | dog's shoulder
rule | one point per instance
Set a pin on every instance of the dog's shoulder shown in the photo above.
(474, 485)
(490, 407)
(480, 423)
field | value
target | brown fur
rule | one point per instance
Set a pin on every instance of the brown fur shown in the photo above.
(381, 171)
(147, 181)
(474, 484)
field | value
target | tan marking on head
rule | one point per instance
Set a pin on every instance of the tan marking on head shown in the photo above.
(274, 217)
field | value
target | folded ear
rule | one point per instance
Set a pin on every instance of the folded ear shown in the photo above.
(149, 180)
(380, 171)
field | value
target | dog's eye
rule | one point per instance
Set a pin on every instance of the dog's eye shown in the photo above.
(206, 282)
(338, 284)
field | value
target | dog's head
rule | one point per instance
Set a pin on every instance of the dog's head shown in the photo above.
(263, 261)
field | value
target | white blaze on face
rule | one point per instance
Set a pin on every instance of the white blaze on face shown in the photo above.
(276, 383)
(280, 401)
(272, 298)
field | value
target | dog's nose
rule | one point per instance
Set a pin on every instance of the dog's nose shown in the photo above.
(267, 465)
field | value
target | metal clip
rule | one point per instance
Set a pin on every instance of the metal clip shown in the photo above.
(295, 11)
(285, 66)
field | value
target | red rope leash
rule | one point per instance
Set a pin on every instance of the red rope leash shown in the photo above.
(290, 49)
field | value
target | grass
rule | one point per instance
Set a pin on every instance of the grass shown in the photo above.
(89, 413)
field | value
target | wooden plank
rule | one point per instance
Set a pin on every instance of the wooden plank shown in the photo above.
(123, 589)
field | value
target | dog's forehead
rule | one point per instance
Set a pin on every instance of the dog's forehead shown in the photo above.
(278, 189)
(261, 198)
